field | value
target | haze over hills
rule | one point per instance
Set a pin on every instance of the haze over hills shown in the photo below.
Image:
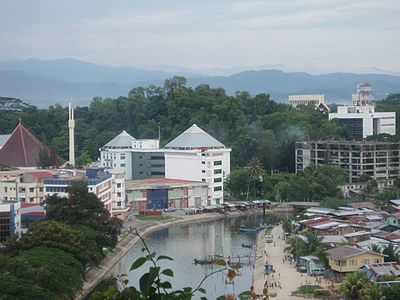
(43, 83)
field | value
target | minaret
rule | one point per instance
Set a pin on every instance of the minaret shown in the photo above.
(71, 126)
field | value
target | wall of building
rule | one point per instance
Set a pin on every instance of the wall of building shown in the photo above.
(147, 165)
(206, 165)
(352, 264)
(380, 160)
(10, 220)
(363, 121)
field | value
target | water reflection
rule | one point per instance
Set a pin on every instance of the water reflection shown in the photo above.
(186, 242)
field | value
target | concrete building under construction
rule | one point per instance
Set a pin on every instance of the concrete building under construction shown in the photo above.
(379, 160)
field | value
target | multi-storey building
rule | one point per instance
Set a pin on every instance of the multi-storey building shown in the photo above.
(362, 120)
(25, 186)
(138, 159)
(379, 160)
(10, 220)
(296, 100)
(109, 188)
(197, 156)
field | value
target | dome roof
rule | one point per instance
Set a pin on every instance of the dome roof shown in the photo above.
(194, 137)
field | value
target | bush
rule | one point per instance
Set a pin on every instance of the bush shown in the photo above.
(321, 293)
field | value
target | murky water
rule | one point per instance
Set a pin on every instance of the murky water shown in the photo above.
(185, 242)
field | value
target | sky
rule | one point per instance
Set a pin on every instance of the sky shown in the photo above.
(316, 36)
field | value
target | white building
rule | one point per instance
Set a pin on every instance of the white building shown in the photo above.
(363, 121)
(197, 156)
(296, 100)
(109, 188)
(138, 159)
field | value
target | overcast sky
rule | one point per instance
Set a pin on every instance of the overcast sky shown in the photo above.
(308, 35)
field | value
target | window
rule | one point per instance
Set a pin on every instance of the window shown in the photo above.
(41, 189)
(118, 194)
(5, 189)
(218, 163)
(203, 171)
(203, 162)
(31, 190)
(119, 203)
(218, 171)
(31, 199)
(122, 165)
(203, 154)
(157, 165)
(157, 173)
(118, 185)
(218, 188)
(157, 157)
(122, 156)
(217, 179)
(203, 179)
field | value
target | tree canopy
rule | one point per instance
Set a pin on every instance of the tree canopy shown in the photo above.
(85, 209)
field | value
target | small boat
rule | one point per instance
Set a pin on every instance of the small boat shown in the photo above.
(249, 229)
(247, 246)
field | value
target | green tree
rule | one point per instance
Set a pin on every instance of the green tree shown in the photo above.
(237, 183)
(354, 284)
(78, 242)
(392, 253)
(255, 172)
(12, 287)
(84, 208)
(55, 270)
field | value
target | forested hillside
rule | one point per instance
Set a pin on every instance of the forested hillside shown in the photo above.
(252, 126)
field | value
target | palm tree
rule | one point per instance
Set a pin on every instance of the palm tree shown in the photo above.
(375, 248)
(296, 246)
(354, 284)
(255, 171)
(392, 253)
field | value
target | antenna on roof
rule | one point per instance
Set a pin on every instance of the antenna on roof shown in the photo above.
(159, 133)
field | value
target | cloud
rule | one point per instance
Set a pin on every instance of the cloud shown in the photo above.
(329, 34)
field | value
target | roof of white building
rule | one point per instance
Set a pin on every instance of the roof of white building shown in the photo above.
(194, 137)
(122, 140)
(3, 139)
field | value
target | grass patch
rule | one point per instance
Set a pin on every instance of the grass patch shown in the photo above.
(152, 218)
(306, 290)
(268, 229)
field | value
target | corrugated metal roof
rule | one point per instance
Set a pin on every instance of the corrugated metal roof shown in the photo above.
(194, 137)
(344, 251)
(124, 139)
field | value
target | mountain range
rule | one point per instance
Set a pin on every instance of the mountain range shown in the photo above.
(46, 82)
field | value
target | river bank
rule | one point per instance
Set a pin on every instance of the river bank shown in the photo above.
(97, 274)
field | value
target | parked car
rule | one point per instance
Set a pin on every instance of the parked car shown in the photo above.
(302, 269)
(317, 272)
(269, 239)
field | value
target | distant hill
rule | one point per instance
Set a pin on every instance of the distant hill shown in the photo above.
(337, 87)
(43, 83)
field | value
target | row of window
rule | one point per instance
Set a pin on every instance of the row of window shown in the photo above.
(22, 190)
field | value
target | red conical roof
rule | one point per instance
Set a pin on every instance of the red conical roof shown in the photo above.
(21, 149)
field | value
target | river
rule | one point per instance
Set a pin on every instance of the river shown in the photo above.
(185, 242)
